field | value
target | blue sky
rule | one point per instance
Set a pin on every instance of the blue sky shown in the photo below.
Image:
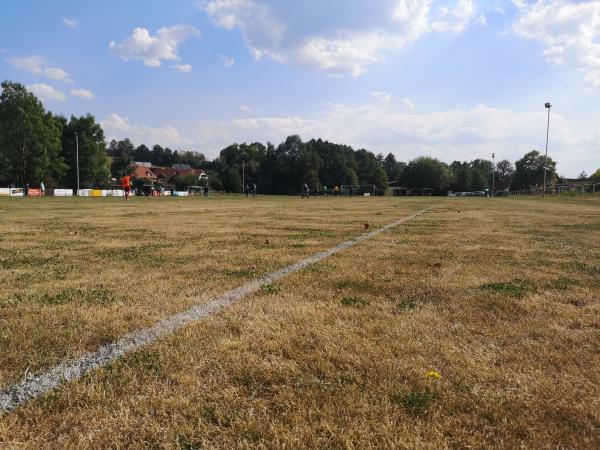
(456, 79)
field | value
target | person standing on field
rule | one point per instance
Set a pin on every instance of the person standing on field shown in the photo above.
(126, 183)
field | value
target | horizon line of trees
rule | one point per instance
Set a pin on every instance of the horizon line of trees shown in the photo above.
(36, 146)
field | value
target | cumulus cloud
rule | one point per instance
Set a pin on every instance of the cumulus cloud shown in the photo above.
(456, 134)
(117, 127)
(456, 19)
(228, 61)
(46, 92)
(382, 96)
(570, 32)
(152, 50)
(245, 108)
(56, 73)
(71, 23)
(183, 68)
(37, 65)
(408, 104)
(261, 30)
(31, 64)
(82, 93)
(296, 35)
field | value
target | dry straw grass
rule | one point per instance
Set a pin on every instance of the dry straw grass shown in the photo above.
(499, 297)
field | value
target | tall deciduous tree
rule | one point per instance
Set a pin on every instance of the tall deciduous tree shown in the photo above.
(530, 170)
(505, 171)
(29, 138)
(122, 154)
(426, 172)
(93, 161)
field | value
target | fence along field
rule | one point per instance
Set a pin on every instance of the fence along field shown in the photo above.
(345, 353)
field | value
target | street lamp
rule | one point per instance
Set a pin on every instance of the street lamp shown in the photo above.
(77, 150)
(493, 175)
(548, 107)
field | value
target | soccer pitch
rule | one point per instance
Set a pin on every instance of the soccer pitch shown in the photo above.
(474, 323)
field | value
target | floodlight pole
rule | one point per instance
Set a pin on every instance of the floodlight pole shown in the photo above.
(493, 175)
(548, 107)
(77, 150)
(243, 177)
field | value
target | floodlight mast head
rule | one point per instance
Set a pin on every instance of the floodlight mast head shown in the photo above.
(548, 105)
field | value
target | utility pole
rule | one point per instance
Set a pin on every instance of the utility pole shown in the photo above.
(493, 174)
(77, 150)
(548, 107)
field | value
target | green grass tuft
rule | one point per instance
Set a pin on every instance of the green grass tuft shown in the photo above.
(516, 288)
(355, 301)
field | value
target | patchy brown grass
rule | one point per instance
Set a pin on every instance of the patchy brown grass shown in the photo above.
(501, 297)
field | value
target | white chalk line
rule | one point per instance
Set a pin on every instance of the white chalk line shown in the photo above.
(35, 385)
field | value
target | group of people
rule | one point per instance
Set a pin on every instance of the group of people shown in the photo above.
(126, 184)
(251, 190)
(336, 191)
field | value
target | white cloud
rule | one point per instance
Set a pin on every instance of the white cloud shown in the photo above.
(71, 23)
(570, 32)
(261, 30)
(117, 127)
(347, 55)
(334, 47)
(414, 15)
(382, 96)
(83, 93)
(56, 73)
(245, 108)
(47, 92)
(3, 50)
(461, 133)
(152, 50)
(37, 65)
(482, 20)
(227, 61)
(183, 68)
(31, 64)
(408, 104)
(455, 20)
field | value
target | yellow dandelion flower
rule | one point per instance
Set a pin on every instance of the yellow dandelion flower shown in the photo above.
(434, 374)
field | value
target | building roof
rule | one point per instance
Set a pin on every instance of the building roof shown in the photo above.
(143, 164)
(182, 166)
(143, 172)
(190, 171)
(165, 173)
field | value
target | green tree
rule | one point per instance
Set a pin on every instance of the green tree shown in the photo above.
(426, 172)
(461, 173)
(595, 178)
(505, 171)
(183, 182)
(530, 170)
(232, 180)
(142, 154)
(122, 154)
(393, 168)
(29, 137)
(93, 160)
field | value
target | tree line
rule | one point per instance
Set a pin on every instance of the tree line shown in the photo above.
(36, 146)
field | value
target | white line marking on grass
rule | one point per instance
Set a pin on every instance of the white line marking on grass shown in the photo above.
(34, 386)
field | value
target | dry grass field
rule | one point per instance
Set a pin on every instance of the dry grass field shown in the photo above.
(475, 325)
